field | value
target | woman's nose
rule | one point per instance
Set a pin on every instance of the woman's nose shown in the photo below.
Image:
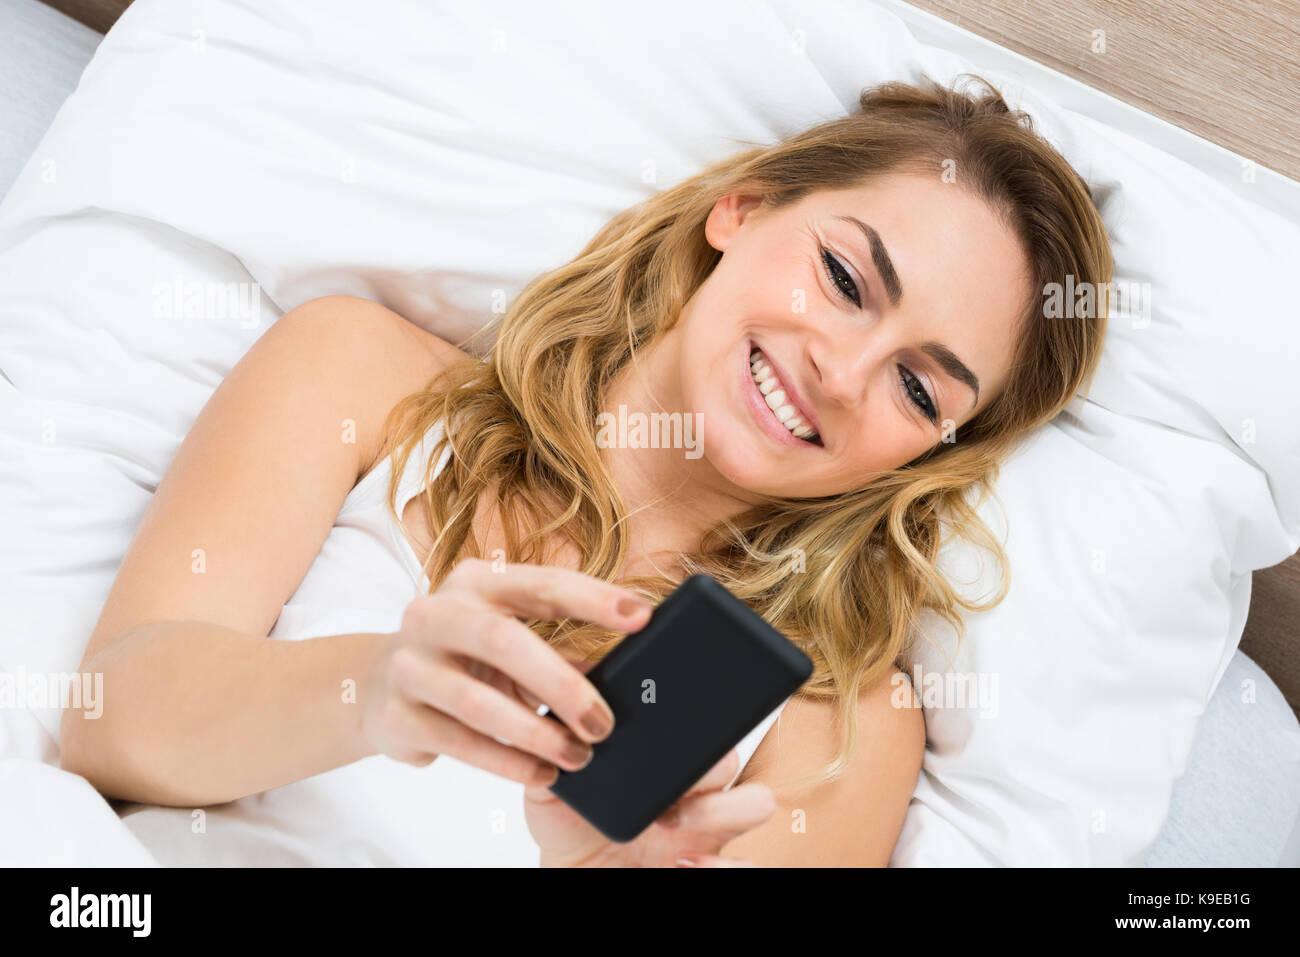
(842, 367)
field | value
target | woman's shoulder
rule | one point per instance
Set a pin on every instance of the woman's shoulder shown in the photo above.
(374, 327)
(896, 693)
(856, 819)
(386, 358)
(889, 714)
(890, 727)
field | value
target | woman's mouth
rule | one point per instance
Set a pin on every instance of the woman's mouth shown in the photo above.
(775, 412)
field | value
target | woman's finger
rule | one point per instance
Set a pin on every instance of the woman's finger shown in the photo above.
(517, 651)
(711, 860)
(553, 594)
(583, 666)
(527, 696)
(728, 813)
(484, 708)
(503, 683)
(535, 702)
(432, 733)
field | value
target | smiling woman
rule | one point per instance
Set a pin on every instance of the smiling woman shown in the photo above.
(852, 317)
(854, 314)
(854, 332)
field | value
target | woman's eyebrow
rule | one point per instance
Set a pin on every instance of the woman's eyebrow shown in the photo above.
(884, 265)
(937, 351)
(953, 366)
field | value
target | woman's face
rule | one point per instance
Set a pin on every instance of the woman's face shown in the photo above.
(882, 310)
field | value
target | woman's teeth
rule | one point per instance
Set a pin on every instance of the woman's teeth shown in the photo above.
(774, 395)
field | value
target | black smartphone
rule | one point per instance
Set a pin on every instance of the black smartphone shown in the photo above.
(685, 690)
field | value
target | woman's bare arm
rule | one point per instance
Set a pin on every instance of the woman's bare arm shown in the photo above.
(199, 706)
(853, 821)
(198, 714)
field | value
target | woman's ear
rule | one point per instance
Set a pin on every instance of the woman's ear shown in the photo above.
(728, 215)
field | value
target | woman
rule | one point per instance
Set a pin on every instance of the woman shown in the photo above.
(854, 316)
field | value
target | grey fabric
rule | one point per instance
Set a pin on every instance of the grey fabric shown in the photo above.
(42, 54)
(1238, 804)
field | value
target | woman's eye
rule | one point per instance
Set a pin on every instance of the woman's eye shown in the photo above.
(840, 278)
(917, 394)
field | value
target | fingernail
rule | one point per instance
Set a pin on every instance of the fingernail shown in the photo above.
(634, 607)
(685, 862)
(577, 753)
(598, 721)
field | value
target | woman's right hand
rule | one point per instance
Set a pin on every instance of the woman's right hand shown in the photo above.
(463, 671)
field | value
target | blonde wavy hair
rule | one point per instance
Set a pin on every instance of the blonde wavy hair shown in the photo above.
(526, 416)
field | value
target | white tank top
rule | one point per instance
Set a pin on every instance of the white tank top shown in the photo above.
(375, 811)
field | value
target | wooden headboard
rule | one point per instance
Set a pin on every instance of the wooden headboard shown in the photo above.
(1227, 72)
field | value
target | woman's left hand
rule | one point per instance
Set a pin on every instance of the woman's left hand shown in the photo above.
(707, 818)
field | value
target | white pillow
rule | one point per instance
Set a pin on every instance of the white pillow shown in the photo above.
(435, 157)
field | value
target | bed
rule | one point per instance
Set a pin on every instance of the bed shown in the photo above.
(97, 391)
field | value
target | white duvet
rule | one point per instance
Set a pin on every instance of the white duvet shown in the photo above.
(436, 156)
